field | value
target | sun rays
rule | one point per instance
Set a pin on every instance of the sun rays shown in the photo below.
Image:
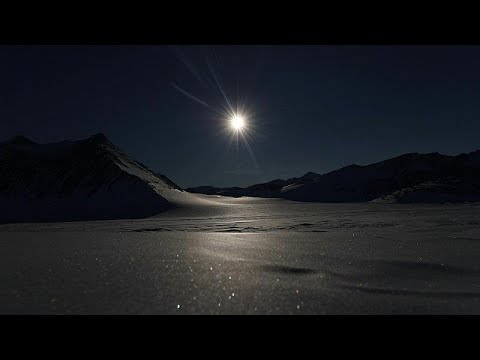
(234, 118)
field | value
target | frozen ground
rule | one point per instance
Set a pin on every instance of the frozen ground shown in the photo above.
(249, 256)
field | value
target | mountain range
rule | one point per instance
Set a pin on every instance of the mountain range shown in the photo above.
(92, 179)
(409, 178)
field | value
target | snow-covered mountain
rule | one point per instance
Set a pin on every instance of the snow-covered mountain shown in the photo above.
(78, 180)
(394, 176)
(407, 178)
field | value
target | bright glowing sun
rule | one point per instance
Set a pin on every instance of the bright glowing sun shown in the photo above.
(237, 122)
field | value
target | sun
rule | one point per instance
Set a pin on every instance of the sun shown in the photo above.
(238, 122)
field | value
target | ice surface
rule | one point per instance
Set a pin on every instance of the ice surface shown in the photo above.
(221, 255)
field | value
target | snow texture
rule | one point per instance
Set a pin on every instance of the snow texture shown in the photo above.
(249, 256)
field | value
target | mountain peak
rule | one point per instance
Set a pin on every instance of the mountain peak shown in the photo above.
(19, 140)
(473, 157)
(88, 179)
(310, 175)
(100, 138)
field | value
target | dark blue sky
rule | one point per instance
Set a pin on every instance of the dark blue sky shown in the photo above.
(316, 108)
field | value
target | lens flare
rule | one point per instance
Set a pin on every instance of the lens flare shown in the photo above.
(236, 122)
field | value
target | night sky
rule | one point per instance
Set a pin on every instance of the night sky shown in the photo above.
(313, 108)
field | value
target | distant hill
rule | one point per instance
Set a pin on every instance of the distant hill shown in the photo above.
(269, 189)
(409, 178)
(88, 179)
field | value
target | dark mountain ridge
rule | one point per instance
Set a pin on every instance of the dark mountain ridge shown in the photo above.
(77, 180)
(409, 177)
